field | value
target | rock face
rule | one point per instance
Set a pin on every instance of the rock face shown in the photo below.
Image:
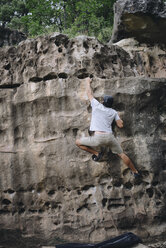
(148, 60)
(143, 19)
(10, 37)
(50, 188)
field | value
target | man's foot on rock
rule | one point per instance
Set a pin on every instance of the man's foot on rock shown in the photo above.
(137, 175)
(137, 178)
(97, 158)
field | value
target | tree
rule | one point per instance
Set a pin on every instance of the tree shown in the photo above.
(6, 11)
(35, 17)
(93, 17)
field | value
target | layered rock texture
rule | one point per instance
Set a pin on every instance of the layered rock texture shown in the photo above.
(50, 188)
(143, 19)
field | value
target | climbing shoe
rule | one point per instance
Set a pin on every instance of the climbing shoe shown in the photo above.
(97, 158)
(137, 175)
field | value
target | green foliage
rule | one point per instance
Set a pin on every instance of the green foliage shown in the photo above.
(93, 18)
(35, 17)
(6, 11)
(105, 34)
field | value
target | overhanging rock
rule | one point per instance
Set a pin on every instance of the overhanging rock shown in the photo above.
(145, 20)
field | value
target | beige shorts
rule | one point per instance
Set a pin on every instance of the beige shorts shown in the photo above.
(107, 139)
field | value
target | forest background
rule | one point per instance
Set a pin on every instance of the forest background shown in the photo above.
(72, 17)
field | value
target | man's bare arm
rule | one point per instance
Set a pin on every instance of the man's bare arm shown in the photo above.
(119, 123)
(89, 89)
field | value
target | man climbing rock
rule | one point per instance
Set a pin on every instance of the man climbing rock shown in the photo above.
(101, 123)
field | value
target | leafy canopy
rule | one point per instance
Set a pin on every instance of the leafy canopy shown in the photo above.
(35, 17)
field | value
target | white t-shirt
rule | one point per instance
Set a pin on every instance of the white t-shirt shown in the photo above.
(102, 117)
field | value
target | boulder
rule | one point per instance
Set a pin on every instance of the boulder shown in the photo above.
(49, 188)
(144, 20)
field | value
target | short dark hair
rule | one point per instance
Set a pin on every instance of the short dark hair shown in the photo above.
(108, 101)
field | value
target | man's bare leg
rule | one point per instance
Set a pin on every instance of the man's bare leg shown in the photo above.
(128, 162)
(86, 148)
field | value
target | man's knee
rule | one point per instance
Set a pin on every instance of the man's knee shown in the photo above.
(121, 155)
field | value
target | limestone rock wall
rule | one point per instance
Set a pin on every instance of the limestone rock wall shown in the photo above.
(50, 188)
(149, 61)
